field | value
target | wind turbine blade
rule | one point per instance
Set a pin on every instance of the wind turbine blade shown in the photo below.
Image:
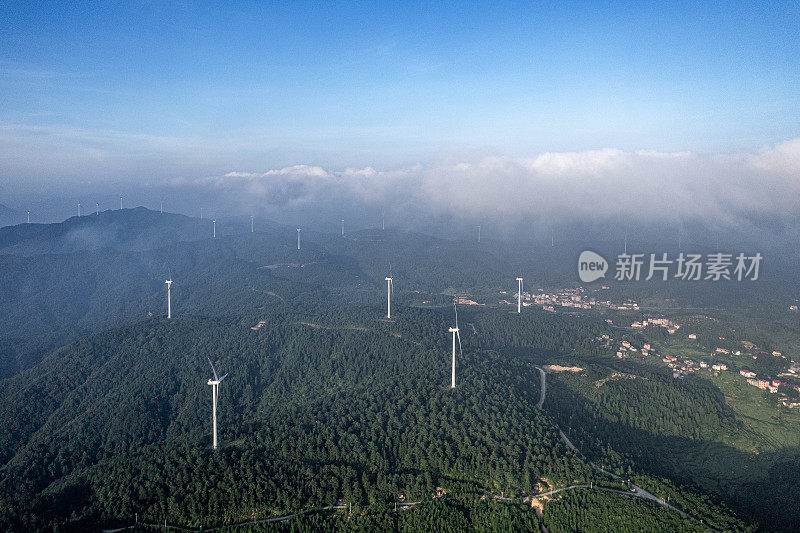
(455, 307)
(460, 351)
(223, 377)
(212, 368)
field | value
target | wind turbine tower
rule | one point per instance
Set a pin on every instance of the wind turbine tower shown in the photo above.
(162, 207)
(214, 395)
(97, 208)
(120, 202)
(252, 224)
(169, 297)
(519, 295)
(79, 209)
(389, 291)
(479, 234)
(215, 227)
(298, 238)
(456, 333)
(29, 217)
(342, 227)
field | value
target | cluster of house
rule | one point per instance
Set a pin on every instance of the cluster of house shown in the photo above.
(572, 297)
(680, 367)
(575, 298)
(771, 385)
(663, 322)
(628, 305)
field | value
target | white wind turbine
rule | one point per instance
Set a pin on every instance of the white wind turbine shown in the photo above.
(389, 291)
(169, 297)
(214, 221)
(342, 227)
(79, 209)
(456, 333)
(252, 224)
(29, 217)
(519, 295)
(479, 234)
(97, 208)
(214, 394)
(298, 238)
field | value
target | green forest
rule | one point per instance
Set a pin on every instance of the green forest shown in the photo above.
(331, 416)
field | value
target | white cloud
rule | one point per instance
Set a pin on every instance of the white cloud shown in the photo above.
(607, 183)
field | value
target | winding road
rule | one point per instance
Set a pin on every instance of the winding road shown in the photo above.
(637, 491)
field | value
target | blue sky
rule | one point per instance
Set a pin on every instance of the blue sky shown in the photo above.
(178, 89)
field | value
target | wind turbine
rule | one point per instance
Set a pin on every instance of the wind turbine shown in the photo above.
(97, 208)
(389, 291)
(479, 234)
(252, 224)
(120, 202)
(214, 394)
(214, 221)
(519, 295)
(169, 297)
(79, 209)
(162, 207)
(342, 227)
(383, 221)
(456, 333)
(625, 250)
(29, 216)
(298, 238)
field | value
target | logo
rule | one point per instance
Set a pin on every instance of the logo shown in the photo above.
(591, 266)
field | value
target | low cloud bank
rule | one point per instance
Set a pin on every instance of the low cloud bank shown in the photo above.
(725, 190)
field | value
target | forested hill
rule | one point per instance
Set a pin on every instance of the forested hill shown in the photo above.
(62, 281)
(315, 409)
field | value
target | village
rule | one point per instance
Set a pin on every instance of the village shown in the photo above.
(682, 367)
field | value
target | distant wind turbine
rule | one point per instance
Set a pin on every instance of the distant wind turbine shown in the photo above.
(298, 238)
(456, 333)
(625, 251)
(97, 208)
(479, 234)
(120, 202)
(162, 207)
(214, 394)
(389, 291)
(342, 227)
(383, 221)
(215, 227)
(519, 295)
(29, 217)
(169, 297)
(252, 224)
(79, 209)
